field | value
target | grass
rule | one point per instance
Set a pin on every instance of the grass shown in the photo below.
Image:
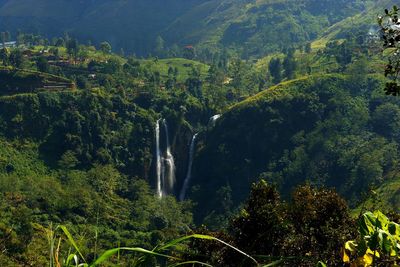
(17, 81)
(142, 257)
(26, 73)
(160, 65)
(184, 67)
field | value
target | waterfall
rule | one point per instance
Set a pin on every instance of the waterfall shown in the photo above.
(170, 162)
(189, 170)
(165, 165)
(159, 161)
(213, 119)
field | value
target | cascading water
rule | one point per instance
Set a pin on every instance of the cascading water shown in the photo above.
(189, 170)
(170, 162)
(165, 165)
(159, 161)
(213, 119)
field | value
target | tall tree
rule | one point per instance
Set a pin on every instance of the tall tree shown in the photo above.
(42, 64)
(307, 48)
(4, 54)
(7, 36)
(289, 64)
(170, 83)
(275, 68)
(20, 38)
(105, 47)
(16, 58)
(237, 70)
(215, 75)
(390, 28)
(60, 42)
(194, 83)
(3, 38)
(72, 48)
(189, 52)
(159, 49)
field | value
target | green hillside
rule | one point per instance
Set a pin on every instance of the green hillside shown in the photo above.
(35, 198)
(23, 81)
(260, 27)
(184, 67)
(364, 22)
(95, 20)
(249, 28)
(262, 125)
(327, 130)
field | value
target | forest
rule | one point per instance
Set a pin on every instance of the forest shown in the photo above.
(226, 133)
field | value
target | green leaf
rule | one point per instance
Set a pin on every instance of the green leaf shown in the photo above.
(381, 220)
(367, 224)
(394, 228)
(388, 243)
(321, 264)
(205, 237)
(351, 246)
(177, 241)
(71, 240)
(275, 263)
(190, 262)
(373, 242)
(70, 258)
(362, 247)
(109, 253)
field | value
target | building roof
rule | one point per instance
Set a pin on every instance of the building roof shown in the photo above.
(8, 44)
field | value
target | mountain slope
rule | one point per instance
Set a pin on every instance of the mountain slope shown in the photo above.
(248, 26)
(361, 23)
(259, 27)
(322, 129)
(127, 24)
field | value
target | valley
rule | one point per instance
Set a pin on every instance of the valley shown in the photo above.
(260, 126)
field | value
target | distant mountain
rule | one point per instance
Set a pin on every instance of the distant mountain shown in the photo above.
(251, 27)
(258, 27)
(362, 22)
(132, 24)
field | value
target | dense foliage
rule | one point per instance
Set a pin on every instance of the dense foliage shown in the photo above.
(390, 28)
(312, 226)
(326, 130)
(78, 135)
(97, 206)
(250, 28)
(377, 243)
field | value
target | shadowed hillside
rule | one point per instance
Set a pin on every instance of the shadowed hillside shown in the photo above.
(250, 27)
